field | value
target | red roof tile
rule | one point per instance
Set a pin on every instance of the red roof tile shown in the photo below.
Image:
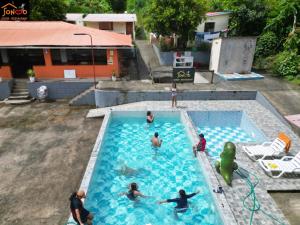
(30, 33)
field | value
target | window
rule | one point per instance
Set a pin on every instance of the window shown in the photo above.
(106, 26)
(78, 56)
(209, 27)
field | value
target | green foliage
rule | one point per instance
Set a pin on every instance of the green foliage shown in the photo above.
(30, 73)
(181, 17)
(266, 45)
(287, 63)
(118, 6)
(293, 42)
(164, 46)
(89, 6)
(204, 46)
(52, 10)
(248, 17)
(140, 33)
(282, 18)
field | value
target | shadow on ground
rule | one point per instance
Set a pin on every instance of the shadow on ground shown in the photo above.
(44, 150)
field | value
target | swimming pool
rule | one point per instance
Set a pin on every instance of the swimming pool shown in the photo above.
(159, 173)
(219, 127)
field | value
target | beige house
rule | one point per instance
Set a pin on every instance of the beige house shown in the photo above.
(75, 18)
(214, 22)
(119, 23)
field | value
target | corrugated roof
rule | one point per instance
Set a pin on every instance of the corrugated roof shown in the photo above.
(110, 17)
(74, 16)
(29, 33)
(217, 13)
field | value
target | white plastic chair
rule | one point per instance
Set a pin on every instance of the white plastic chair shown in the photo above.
(267, 149)
(285, 165)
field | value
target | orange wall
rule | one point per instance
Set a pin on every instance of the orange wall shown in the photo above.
(5, 72)
(49, 71)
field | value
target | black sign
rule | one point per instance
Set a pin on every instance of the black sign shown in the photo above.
(14, 9)
(183, 74)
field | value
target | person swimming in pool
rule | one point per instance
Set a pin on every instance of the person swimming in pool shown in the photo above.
(182, 201)
(156, 142)
(150, 117)
(133, 192)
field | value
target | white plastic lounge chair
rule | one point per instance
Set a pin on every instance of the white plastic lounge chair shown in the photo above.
(274, 148)
(287, 164)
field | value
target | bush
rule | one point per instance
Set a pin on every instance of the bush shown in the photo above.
(286, 63)
(266, 44)
(140, 33)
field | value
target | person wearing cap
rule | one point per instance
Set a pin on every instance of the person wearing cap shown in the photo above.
(200, 147)
(79, 213)
(156, 142)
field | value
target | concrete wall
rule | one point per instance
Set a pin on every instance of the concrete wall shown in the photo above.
(5, 88)
(106, 98)
(87, 99)
(215, 54)
(221, 22)
(60, 89)
(166, 58)
(236, 55)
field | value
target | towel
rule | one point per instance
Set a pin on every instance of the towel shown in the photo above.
(286, 140)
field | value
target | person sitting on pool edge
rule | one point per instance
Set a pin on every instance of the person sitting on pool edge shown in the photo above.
(133, 192)
(156, 142)
(182, 203)
(79, 213)
(200, 147)
(150, 117)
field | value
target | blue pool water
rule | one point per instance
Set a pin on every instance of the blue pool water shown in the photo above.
(160, 173)
(219, 127)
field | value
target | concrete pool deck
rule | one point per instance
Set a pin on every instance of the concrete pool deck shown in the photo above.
(267, 122)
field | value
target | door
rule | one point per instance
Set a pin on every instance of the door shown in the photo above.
(129, 28)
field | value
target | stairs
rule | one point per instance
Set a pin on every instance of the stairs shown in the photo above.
(19, 94)
(86, 97)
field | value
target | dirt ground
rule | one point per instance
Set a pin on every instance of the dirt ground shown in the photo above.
(44, 150)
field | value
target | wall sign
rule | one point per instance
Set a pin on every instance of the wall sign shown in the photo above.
(14, 9)
(69, 74)
(183, 74)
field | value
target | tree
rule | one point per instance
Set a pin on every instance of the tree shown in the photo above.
(118, 6)
(248, 17)
(47, 10)
(181, 17)
(89, 6)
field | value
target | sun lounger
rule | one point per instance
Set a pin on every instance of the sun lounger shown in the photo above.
(266, 149)
(285, 165)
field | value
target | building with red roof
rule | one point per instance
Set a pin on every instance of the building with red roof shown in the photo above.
(53, 51)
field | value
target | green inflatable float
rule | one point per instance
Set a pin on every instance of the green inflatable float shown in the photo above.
(226, 165)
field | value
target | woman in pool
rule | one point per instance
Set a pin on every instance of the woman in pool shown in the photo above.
(182, 203)
(150, 117)
(133, 192)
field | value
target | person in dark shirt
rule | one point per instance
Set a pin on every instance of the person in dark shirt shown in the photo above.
(182, 201)
(79, 213)
(133, 192)
(150, 117)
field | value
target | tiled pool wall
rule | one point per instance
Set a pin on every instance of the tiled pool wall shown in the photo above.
(227, 119)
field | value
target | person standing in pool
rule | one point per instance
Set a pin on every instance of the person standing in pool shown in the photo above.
(174, 95)
(133, 192)
(79, 213)
(156, 142)
(182, 201)
(150, 117)
(200, 147)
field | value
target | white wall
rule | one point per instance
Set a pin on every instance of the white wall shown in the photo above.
(221, 22)
(119, 27)
(215, 54)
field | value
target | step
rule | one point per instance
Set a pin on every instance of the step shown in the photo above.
(23, 97)
(18, 102)
(20, 89)
(19, 93)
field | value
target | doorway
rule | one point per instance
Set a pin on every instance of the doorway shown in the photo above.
(21, 60)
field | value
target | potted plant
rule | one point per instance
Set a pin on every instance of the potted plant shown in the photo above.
(113, 76)
(31, 75)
